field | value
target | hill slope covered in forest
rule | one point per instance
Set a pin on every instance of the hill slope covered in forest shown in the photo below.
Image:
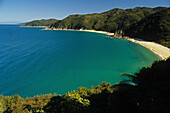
(109, 21)
(43, 22)
(155, 27)
(152, 24)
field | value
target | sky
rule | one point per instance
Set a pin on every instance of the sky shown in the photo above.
(18, 11)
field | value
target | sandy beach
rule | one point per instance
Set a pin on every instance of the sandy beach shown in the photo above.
(160, 50)
(102, 32)
(94, 31)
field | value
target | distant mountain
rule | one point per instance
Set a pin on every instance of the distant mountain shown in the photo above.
(110, 21)
(155, 27)
(43, 22)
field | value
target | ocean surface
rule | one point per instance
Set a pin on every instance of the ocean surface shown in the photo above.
(34, 62)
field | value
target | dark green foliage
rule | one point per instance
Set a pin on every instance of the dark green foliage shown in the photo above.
(150, 94)
(70, 102)
(42, 22)
(16, 104)
(152, 88)
(76, 101)
(152, 24)
(110, 21)
(155, 27)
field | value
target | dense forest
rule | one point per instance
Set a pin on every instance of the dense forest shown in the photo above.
(110, 21)
(152, 24)
(144, 92)
(155, 27)
(43, 22)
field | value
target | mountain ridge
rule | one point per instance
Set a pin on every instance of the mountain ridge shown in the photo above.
(110, 21)
(123, 22)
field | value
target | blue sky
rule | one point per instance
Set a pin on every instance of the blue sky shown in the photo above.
(27, 10)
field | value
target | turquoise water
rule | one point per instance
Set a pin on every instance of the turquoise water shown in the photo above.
(34, 62)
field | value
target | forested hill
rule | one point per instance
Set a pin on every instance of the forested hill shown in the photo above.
(110, 21)
(155, 27)
(151, 24)
(43, 22)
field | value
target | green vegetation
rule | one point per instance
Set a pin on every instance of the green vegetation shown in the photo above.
(110, 21)
(155, 27)
(144, 92)
(42, 22)
(152, 24)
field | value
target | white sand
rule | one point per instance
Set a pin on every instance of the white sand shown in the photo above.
(162, 51)
(102, 32)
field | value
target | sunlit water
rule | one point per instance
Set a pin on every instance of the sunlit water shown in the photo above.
(34, 62)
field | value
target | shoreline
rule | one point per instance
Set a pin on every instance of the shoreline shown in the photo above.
(34, 26)
(158, 49)
(94, 31)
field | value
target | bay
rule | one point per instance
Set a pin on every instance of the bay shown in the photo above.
(36, 62)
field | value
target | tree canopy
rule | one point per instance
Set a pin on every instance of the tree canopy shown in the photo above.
(155, 27)
(151, 24)
(43, 22)
(110, 21)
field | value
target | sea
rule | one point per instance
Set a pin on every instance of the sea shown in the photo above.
(37, 62)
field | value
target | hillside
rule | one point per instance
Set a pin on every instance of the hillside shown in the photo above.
(149, 94)
(110, 21)
(43, 22)
(152, 24)
(155, 27)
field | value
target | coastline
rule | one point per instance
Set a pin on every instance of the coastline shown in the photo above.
(158, 49)
(33, 26)
(94, 31)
